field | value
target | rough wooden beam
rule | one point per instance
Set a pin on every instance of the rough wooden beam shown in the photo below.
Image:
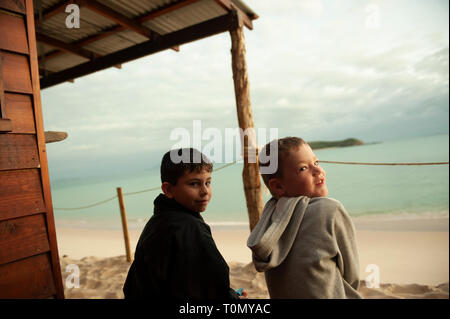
(54, 136)
(243, 17)
(250, 174)
(83, 42)
(45, 72)
(193, 33)
(67, 47)
(110, 31)
(53, 10)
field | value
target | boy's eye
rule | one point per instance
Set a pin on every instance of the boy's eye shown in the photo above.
(198, 183)
(316, 163)
(303, 168)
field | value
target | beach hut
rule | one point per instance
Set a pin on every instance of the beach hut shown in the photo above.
(47, 42)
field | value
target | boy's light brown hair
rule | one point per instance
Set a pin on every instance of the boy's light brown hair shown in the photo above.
(285, 146)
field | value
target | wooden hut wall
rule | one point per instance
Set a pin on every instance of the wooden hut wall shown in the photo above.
(29, 262)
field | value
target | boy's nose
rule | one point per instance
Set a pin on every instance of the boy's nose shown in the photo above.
(204, 190)
(318, 171)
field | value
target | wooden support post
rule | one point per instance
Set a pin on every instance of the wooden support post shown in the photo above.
(250, 174)
(123, 214)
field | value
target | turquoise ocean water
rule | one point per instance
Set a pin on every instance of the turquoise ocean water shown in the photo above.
(364, 190)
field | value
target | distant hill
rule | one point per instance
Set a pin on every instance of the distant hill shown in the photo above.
(325, 144)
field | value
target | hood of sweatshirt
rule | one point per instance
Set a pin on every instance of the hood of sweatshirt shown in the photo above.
(273, 236)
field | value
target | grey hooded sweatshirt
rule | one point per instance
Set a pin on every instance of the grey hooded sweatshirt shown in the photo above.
(307, 249)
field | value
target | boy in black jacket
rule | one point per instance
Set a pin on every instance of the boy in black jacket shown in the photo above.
(176, 257)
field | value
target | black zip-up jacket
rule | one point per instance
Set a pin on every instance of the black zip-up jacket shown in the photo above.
(176, 258)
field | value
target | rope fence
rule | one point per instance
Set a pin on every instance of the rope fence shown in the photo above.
(386, 164)
(129, 194)
(232, 163)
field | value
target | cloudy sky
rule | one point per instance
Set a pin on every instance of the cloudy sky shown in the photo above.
(376, 70)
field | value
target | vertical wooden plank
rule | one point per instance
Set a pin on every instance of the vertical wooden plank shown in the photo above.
(42, 150)
(2, 92)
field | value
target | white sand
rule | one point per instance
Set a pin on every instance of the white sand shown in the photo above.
(412, 256)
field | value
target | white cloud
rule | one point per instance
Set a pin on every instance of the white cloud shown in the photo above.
(283, 102)
(314, 70)
(313, 8)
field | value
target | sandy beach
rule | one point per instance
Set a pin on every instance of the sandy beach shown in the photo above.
(409, 256)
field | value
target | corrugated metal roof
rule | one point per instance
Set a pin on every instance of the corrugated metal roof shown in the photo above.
(92, 23)
(187, 16)
(64, 61)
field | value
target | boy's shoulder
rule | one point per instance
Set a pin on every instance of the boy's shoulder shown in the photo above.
(172, 225)
(326, 202)
(180, 219)
(326, 208)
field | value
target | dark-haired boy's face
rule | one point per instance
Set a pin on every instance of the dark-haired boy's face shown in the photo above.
(193, 190)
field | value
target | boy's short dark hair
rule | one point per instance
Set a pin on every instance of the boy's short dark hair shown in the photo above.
(285, 146)
(176, 162)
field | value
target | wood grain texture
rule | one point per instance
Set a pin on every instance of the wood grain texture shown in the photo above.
(13, 5)
(19, 109)
(20, 193)
(22, 237)
(2, 94)
(18, 151)
(5, 125)
(13, 35)
(15, 73)
(27, 278)
(250, 174)
(45, 180)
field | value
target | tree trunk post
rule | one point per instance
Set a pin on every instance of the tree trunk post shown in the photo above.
(250, 174)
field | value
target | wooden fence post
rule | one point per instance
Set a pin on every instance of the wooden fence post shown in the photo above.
(123, 214)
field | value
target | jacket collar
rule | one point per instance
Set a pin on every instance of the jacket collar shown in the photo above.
(164, 204)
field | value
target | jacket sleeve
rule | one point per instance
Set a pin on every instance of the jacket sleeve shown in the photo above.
(327, 254)
(198, 270)
(347, 258)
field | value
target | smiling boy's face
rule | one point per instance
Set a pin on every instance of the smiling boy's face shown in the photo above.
(301, 175)
(192, 190)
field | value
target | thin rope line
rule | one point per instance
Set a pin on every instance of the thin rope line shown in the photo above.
(88, 206)
(224, 166)
(143, 191)
(393, 164)
(229, 164)
(128, 194)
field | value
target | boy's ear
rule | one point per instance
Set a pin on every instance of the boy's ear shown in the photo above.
(166, 187)
(276, 187)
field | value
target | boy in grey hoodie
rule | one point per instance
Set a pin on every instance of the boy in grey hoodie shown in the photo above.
(304, 242)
